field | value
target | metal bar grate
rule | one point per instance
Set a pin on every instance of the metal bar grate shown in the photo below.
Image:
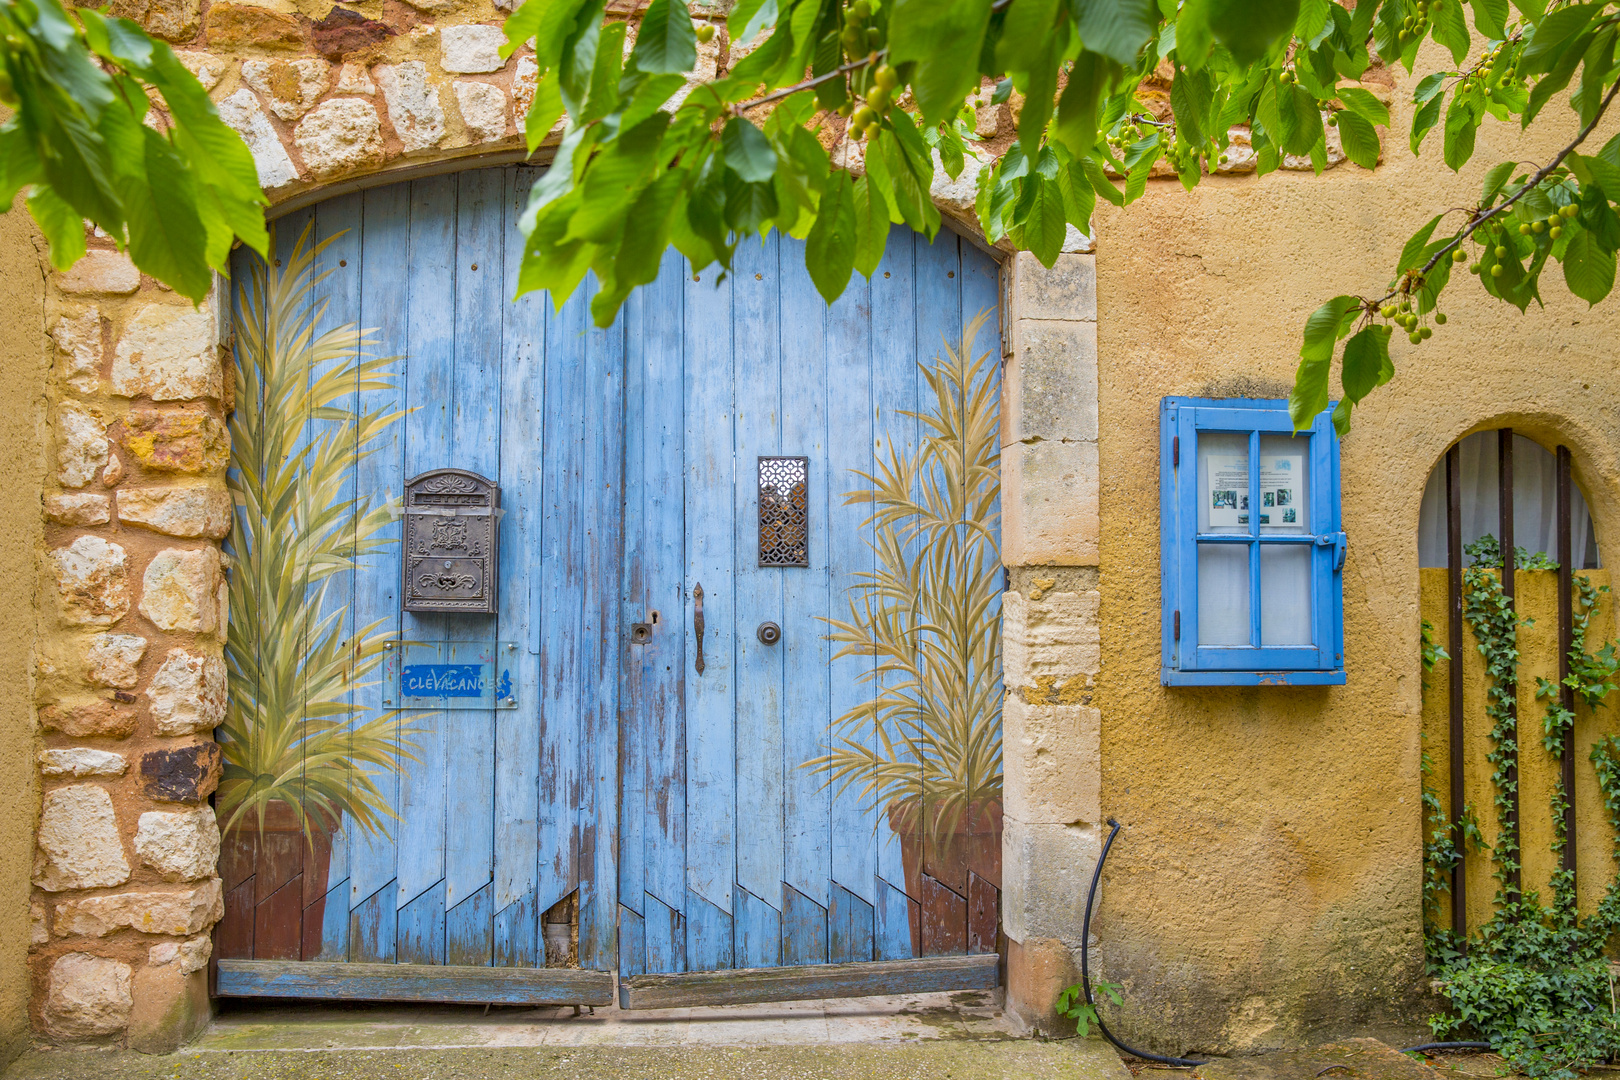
(784, 511)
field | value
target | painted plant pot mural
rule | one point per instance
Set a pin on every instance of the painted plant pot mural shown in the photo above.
(302, 760)
(927, 745)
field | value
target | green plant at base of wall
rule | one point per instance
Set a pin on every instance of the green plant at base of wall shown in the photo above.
(293, 734)
(1533, 980)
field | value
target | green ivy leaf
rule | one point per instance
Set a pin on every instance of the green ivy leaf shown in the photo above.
(667, 40)
(1461, 127)
(61, 224)
(1494, 180)
(1552, 34)
(1045, 224)
(871, 228)
(1451, 29)
(935, 35)
(1490, 18)
(1412, 252)
(1588, 269)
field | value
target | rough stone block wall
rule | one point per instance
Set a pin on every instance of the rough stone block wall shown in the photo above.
(129, 671)
(1051, 641)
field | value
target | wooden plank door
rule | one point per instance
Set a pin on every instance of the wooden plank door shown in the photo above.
(483, 821)
(736, 850)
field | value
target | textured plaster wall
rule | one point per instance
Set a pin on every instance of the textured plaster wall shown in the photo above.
(1265, 890)
(22, 465)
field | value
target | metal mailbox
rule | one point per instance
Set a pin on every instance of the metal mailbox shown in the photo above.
(452, 539)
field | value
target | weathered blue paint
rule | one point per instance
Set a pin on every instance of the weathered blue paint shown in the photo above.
(675, 803)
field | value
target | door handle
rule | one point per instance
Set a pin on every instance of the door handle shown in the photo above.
(697, 622)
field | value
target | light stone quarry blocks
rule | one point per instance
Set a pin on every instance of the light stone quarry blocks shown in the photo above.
(179, 846)
(192, 954)
(189, 510)
(340, 135)
(187, 693)
(100, 272)
(1051, 757)
(292, 86)
(88, 996)
(1058, 635)
(93, 719)
(81, 761)
(1046, 870)
(38, 933)
(1066, 292)
(413, 104)
(92, 580)
(176, 440)
(78, 508)
(81, 445)
(242, 113)
(177, 913)
(468, 50)
(180, 590)
(1050, 503)
(483, 110)
(79, 844)
(113, 659)
(78, 340)
(168, 353)
(1053, 377)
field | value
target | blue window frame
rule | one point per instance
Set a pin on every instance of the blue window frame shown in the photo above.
(1252, 550)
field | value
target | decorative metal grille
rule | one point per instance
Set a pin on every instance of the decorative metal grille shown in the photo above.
(784, 511)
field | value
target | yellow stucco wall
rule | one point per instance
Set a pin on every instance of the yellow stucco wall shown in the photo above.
(1266, 889)
(22, 374)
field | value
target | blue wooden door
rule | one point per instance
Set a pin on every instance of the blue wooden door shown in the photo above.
(736, 849)
(629, 812)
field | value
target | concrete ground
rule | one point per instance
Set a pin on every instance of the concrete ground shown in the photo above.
(959, 1036)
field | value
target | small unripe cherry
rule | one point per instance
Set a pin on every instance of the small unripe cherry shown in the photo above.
(1538, 226)
(1414, 337)
(1524, 230)
(886, 77)
(1440, 318)
(1496, 271)
(1501, 253)
(1459, 255)
(1556, 231)
(705, 33)
(1570, 210)
(1427, 332)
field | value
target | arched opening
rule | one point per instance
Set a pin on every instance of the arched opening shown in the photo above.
(1513, 806)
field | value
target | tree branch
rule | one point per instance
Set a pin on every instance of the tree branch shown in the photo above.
(809, 84)
(1502, 207)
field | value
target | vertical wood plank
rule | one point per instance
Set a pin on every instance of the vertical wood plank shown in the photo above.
(665, 663)
(895, 321)
(664, 931)
(708, 934)
(338, 225)
(602, 497)
(806, 594)
(430, 389)
(469, 929)
(562, 585)
(633, 654)
(855, 828)
(632, 943)
(373, 928)
(756, 335)
(421, 928)
(758, 931)
(517, 731)
(849, 928)
(804, 929)
(384, 255)
(710, 701)
(475, 443)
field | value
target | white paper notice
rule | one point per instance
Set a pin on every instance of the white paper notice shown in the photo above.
(1226, 484)
(1280, 477)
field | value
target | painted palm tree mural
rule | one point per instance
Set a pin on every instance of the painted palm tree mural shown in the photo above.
(927, 746)
(301, 758)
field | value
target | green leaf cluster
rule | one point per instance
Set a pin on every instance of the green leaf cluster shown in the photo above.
(176, 190)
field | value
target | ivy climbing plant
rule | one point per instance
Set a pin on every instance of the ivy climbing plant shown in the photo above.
(1533, 980)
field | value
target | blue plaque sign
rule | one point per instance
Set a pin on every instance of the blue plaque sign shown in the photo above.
(450, 675)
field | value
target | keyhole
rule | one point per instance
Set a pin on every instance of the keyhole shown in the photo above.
(655, 618)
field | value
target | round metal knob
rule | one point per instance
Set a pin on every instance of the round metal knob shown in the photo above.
(769, 633)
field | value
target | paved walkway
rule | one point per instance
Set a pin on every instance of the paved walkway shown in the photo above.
(921, 1037)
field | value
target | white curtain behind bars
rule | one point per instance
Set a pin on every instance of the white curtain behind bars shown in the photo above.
(1535, 503)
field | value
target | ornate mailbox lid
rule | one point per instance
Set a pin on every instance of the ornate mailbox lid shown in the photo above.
(451, 542)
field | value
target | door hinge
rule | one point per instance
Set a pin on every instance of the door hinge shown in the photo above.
(1177, 632)
(1175, 451)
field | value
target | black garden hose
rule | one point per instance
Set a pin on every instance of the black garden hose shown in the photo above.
(1085, 964)
(1420, 1047)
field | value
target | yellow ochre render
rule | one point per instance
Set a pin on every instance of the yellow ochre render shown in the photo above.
(22, 466)
(1266, 889)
